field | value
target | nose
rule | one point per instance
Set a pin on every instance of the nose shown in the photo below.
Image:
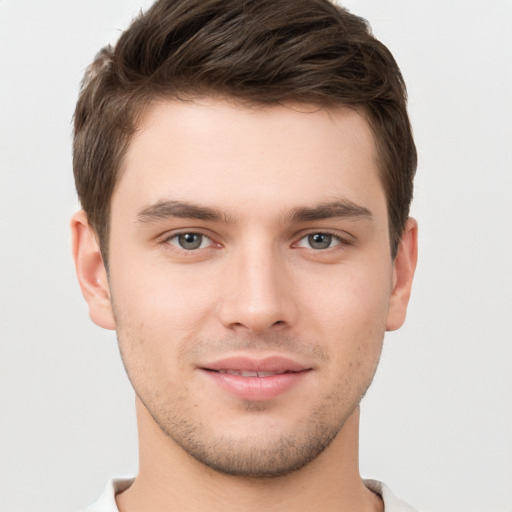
(257, 293)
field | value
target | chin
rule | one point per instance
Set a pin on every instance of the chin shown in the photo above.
(276, 459)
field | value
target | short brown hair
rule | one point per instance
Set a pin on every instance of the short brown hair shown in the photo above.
(257, 51)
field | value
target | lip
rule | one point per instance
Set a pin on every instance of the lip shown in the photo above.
(285, 375)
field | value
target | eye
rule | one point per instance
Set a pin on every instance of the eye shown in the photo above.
(318, 241)
(190, 241)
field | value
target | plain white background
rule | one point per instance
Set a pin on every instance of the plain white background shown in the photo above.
(437, 423)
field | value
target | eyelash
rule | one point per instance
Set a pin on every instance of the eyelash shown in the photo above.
(204, 238)
(339, 241)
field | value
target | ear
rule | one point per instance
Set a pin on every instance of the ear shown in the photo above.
(91, 271)
(403, 273)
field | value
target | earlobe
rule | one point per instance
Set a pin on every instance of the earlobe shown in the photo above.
(403, 273)
(90, 270)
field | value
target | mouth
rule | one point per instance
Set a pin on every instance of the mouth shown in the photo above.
(256, 367)
(256, 379)
(244, 373)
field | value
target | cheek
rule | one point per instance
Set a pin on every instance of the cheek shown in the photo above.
(160, 295)
(350, 298)
(349, 312)
(150, 336)
(157, 315)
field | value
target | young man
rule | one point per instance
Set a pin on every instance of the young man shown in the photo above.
(245, 170)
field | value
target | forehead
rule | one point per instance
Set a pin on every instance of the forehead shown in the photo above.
(226, 154)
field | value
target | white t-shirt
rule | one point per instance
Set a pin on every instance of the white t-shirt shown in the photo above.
(107, 501)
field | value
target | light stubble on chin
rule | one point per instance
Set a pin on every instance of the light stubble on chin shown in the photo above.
(253, 457)
(249, 456)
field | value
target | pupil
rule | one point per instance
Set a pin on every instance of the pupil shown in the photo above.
(190, 240)
(319, 241)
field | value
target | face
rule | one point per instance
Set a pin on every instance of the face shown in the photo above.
(250, 277)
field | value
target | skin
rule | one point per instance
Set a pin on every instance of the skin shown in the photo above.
(293, 260)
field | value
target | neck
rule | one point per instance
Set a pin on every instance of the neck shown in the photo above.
(168, 477)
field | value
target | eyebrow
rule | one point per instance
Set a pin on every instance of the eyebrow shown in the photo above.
(166, 209)
(162, 210)
(339, 208)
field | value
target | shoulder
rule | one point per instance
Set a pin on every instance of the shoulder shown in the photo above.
(391, 502)
(107, 501)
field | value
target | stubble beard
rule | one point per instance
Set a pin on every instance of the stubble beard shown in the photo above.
(251, 457)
